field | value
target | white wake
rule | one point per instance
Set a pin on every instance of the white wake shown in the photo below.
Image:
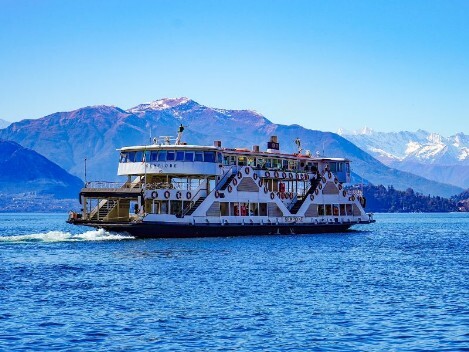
(59, 236)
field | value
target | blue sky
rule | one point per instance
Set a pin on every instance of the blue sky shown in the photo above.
(389, 65)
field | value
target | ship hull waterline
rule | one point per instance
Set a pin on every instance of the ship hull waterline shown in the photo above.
(165, 230)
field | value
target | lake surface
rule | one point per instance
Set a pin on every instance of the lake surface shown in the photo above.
(399, 284)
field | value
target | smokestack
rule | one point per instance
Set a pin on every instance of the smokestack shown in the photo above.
(217, 144)
(255, 148)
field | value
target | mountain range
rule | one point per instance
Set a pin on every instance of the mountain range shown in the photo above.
(24, 170)
(429, 154)
(4, 124)
(95, 132)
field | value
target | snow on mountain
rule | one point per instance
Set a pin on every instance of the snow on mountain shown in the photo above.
(160, 104)
(420, 146)
(427, 154)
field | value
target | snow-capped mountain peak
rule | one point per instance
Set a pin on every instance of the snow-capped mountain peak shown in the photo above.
(160, 104)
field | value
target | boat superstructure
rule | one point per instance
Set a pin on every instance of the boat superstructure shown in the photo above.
(174, 189)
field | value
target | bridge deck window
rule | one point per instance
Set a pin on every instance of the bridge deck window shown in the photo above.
(180, 156)
(189, 156)
(199, 156)
(162, 155)
(170, 155)
(209, 157)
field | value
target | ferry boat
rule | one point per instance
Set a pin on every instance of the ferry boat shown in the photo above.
(175, 189)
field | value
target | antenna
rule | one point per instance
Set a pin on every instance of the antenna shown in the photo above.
(85, 172)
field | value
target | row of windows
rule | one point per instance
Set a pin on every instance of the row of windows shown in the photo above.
(334, 209)
(170, 155)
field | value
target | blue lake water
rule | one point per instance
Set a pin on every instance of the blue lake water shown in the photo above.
(398, 284)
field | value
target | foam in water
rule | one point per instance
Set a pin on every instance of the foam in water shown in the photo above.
(59, 236)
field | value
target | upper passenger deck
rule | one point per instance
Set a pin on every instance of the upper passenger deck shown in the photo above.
(183, 159)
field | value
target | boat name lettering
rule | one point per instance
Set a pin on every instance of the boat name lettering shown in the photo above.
(293, 219)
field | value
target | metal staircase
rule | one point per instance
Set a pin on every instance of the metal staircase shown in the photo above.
(103, 209)
(195, 206)
(300, 202)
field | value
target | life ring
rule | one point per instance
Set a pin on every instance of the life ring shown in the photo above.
(254, 176)
(352, 198)
(344, 192)
(166, 194)
(336, 181)
(340, 187)
(217, 194)
(266, 189)
(276, 174)
(316, 191)
(284, 175)
(329, 175)
(229, 188)
(235, 181)
(178, 195)
(272, 195)
(188, 195)
(267, 174)
(290, 175)
(154, 194)
(324, 179)
(240, 175)
(320, 186)
(260, 182)
(246, 170)
(311, 197)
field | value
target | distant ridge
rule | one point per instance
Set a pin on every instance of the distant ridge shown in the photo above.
(96, 132)
(24, 170)
(427, 153)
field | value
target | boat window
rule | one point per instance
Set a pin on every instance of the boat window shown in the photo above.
(260, 162)
(335, 209)
(226, 160)
(170, 155)
(189, 156)
(180, 156)
(241, 160)
(131, 157)
(321, 210)
(347, 167)
(209, 157)
(251, 161)
(328, 209)
(333, 167)
(276, 164)
(342, 209)
(123, 158)
(285, 164)
(292, 165)
(232, 160)
(162, 155)
(154, 156)
(262, 209)
(224, 209)
(199, 156)
(253, 209)
(138, 156)
(268, 163)
(340, 167)
(219, 158)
